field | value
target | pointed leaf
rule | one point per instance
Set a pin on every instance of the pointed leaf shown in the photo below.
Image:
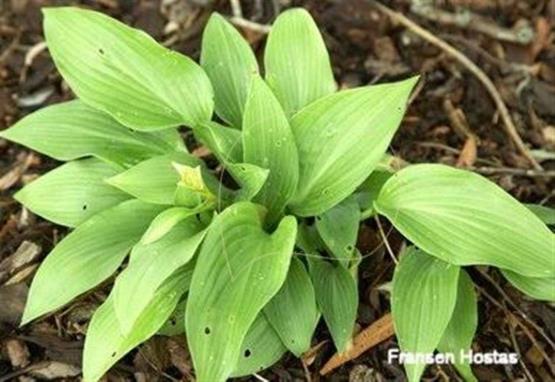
(72, 193)
(465, 219)
(367, 193)
(251, 178)
(230, 63)
(165, 222)
(293, 312)
(341, 138)
(546, 214)
(174, 324)
(105, 343)
(87, 256)
(337, 297)
(73, 130)
(124, 72)
(154, 180)
(423, 299)
(460, 332)
(296, 61)
(540, 288)
(269, 143)
(239, 269)
(150, 266)
(338, 228)
(261, 348)
(226, 143)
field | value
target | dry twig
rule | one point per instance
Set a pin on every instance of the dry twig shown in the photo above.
(511, 324)
(514, 171)
(468, 20)
(236, 8)
(247, 24)
(384, 239)
(377, 332)
(538, 329)
(508, 123)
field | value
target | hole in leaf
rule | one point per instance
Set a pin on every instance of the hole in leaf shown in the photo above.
(247, 353)
(173, 321)
(207, 330)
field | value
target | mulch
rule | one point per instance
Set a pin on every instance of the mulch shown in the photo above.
(452, 120)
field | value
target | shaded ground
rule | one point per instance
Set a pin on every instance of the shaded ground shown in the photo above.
(452, 120)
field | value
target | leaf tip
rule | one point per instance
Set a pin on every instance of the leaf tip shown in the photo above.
(28, 315)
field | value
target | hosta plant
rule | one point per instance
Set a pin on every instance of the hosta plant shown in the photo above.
(246, 256)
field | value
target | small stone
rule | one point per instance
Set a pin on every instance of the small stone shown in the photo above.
(17, 353)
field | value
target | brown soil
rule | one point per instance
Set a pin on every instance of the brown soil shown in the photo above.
(452, 120)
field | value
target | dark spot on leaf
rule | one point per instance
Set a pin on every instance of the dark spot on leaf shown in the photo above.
(84, 207)
(349, 248)
(207, 330)
(101, 51)
(319, 218)
(114, 354)
(247, 353)
(173, 321)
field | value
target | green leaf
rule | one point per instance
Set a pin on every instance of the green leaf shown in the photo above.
(337, 297)
(105, 343)
(546, 214)
(269, 143)
(87, 256)
(338, 228)
(174, 324)
(124, 72)
(465, 219)
(154, 180)
(423, 300)
(293, 312)
(165, 222)
(341, 139)
(460, 331)
(310, 241)
(230, 63)
(72, 193)
(367, 193)
(251, 178)
(261, 348)
(540, 288)
(226, 143)
(150, 266)
(297, 64)
(73, 130)
(239, 269)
